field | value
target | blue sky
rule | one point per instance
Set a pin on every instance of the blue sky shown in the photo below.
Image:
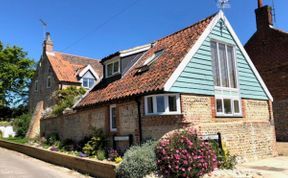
(97, 28)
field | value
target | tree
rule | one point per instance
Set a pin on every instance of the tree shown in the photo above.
(16, 72)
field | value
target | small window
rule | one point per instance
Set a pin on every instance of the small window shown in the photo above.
(112, 68)
(228, 107)
(172, 101)
(152, 58)
(36, 85)
(162, 104)
(88, 82)
(150, 108)
(113, 118)
(48, 82)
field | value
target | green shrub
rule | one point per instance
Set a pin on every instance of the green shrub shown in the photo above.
(5, 123)
(101, 155)
(65, 98)
(1, 134)
(138, 161)
(21, 124)
(97, 142)
(53, 139)
(228, 161)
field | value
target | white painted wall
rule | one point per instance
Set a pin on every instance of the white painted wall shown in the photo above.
(7, 131)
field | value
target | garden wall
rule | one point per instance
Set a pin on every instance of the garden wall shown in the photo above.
(91, 167)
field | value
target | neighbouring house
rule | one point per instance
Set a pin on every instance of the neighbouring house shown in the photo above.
(268, 49)
(200, 77)
(58, 70)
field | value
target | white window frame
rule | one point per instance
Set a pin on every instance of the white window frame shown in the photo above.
(113, 63)
(47, 82)
(110, 117)
(166, 104)
(88, 82)
(36, 85)
(227, 89)
(233, 114)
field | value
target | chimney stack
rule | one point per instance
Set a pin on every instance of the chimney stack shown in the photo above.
(260, 3)
(263, 16)
(48, 43)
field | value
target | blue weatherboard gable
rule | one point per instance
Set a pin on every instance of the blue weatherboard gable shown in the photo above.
(197, 76)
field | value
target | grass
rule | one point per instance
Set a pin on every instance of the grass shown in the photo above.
(18, 140)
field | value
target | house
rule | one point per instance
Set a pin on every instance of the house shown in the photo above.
(58, 70)
(268, 49)
(200, 77)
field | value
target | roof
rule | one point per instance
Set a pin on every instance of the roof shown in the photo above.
(268, 50)
(68, 66)
(175, 47)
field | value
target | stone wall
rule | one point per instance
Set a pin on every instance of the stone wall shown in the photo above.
(43, 93)
(78, 125)
(281, 119)
(251, 136)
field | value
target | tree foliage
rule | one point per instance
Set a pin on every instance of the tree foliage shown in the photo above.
(16, 72)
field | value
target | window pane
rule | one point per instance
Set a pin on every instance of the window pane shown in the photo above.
(116, 66)
(219, 105)
(85, 82)
(48, 82)
(227, 106)
(160, 104)
(150, 105)
(172, 103)
(236, 106)
(113, 117)
(215, 64)
(223, 64)
(109, 69)
(232, 71)
(91, 83)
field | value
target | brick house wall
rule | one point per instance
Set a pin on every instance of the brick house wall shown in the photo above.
(253, 136)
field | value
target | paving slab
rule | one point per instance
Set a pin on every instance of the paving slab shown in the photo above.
(276, 167)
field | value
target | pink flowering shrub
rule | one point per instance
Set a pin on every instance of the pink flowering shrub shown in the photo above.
(182, 154)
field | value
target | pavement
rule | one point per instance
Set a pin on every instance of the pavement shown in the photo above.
(17, 165)
(276, 167)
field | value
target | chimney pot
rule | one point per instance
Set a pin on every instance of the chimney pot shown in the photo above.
(260, 3)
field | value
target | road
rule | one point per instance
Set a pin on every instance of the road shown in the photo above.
(17, 165)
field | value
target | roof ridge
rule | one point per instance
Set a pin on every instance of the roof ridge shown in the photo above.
(89, 58)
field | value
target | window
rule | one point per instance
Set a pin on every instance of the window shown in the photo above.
(228, 107)
(48, 82)
(36, 85)
(88, 82)
(162, 104)
(113, 118)
(225, 80)
(224, 65)
(112, 68)
(155, 56)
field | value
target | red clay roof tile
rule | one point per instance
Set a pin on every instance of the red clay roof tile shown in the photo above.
(175, 47)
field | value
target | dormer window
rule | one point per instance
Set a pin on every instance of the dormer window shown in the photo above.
(152, 58)
(88, 82)
(112, 68)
